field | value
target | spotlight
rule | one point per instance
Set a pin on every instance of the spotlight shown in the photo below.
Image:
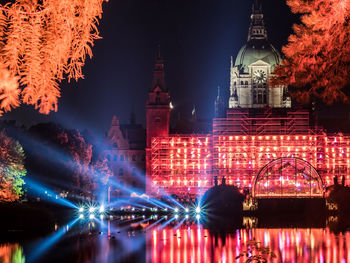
(143, 209)
(176, 210)
(81, 209)
(165, 209)
(102, 209)
(91, 216)
(186, 216)
(198, 209)
(198, 217)
(155, 209)
(133, 209)
(81, 216)
(92, 209)
(186, 210)
(176, 216)
(101, 217)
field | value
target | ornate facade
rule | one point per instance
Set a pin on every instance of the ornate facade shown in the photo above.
(252, 69)
(258, 128)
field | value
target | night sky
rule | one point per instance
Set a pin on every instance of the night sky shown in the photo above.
(197, 38)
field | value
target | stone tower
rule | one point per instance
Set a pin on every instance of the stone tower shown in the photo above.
(157, 111)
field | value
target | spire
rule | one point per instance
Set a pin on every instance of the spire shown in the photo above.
(218, 98)
(158, 73)
(257, 28)
(194, 113)
(115, 121)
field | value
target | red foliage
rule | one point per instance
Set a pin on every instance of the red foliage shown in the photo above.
(41, 42)
(317, 57)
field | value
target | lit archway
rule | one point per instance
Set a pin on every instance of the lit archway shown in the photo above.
(287, 177)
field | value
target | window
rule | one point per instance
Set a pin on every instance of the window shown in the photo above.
(121, 172)
(157, 119)
(157, 100)
(133, 184)
(265, 98)
(246, 83)
(259, 98)
(108, 157)
(143, 158)
(254, 97)
(242, 83)
(133, 171)
(134, 158)
(121, 157)
(115, 158)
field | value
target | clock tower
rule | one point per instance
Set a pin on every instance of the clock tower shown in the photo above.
(253, 67)
(157, 112)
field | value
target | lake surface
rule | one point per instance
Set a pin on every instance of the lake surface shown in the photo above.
(170, 239)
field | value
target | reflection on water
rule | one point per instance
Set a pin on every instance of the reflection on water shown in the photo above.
(11, 253)
(195, 244)
(168, 240)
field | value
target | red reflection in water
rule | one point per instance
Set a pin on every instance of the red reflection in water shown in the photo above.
(195, 244)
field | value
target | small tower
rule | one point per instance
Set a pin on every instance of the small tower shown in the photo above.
(157, 114)
(219, 105)
(158, 104)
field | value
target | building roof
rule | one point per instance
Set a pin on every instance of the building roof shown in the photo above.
(256, 50)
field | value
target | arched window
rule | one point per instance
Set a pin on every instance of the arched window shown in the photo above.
(260, 98)
(242, 83)
(265, 98)
(157, 100)
(121, 157)
(254, 97)
(115, 158)
(133, 171)
(121, 172)
(134, 158)
(246, 83)
(108, 157)
(133, 184)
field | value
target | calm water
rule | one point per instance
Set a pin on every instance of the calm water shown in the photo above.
(141, 239)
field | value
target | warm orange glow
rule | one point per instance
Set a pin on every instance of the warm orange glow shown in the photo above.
(317, 54)
(41, 42)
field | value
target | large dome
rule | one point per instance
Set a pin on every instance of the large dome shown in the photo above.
(256, 50)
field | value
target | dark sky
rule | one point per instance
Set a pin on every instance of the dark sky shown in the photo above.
(197, 38)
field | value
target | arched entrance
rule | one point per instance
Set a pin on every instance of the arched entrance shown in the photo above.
(287, 177)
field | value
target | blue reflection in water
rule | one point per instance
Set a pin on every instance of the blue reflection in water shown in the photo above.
(179, 240)
(48, 242)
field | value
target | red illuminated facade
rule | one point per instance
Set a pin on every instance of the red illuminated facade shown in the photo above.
(239, 147)
(243, 140)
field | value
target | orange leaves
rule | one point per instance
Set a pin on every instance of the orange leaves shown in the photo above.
(41, 43)
(9, 90)
(317, 54)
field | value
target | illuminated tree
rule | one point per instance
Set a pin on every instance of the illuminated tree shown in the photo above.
(41, 43)
(11, 169)
(317, 56)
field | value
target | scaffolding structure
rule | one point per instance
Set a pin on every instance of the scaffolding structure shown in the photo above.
(181, 163)
(240, 146)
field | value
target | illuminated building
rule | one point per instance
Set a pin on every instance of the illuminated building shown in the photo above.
(247, 136)
(125, 153)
